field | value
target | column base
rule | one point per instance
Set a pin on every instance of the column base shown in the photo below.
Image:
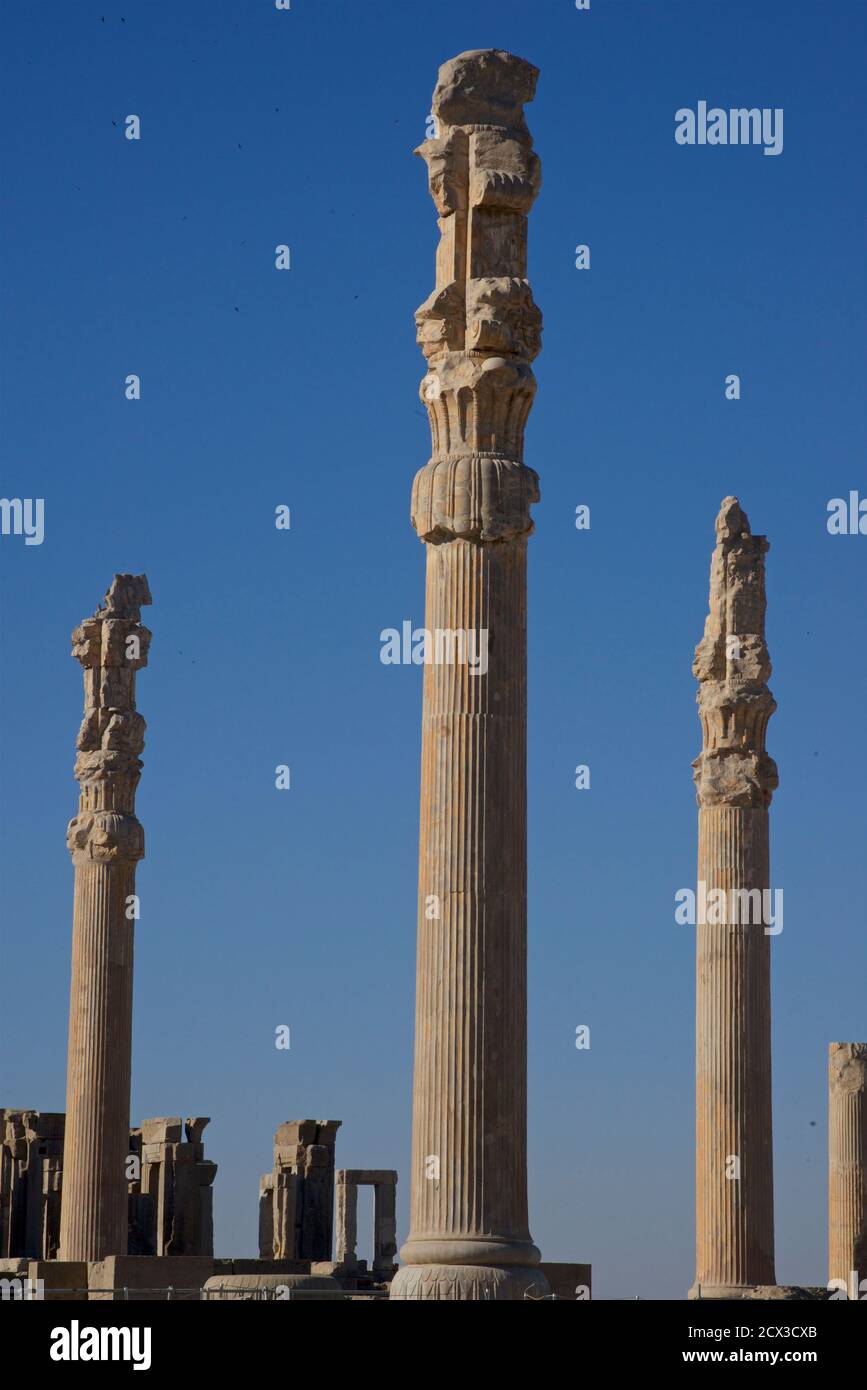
(481, 1283)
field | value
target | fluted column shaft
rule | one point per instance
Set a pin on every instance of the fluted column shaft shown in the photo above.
(847, 1165)
(470, 1058)
(94, 1208)
(734, 1159)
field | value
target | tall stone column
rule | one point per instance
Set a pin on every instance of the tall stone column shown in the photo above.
(479, 331)
(847, 1165)
(106, 841)
(734, 779)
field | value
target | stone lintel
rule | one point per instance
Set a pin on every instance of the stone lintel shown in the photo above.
(162, 1130)
(367, 1177)
(307, 1132)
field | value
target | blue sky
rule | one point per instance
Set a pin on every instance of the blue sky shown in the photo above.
(262, 388)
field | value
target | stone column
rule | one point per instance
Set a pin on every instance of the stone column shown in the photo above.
(106, 841)
(346, 1222)
(734, 779)
(847, 1165)
(384, 1221)
(479, 330)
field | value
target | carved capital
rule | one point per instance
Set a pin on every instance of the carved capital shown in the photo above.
(479, 329)
(111, 646)
(485, 86)
(481, 497)
(726, 777)
(106, 837)
(847, 1068)
(732, 666)
(478, 404)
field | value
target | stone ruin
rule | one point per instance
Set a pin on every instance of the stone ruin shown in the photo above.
(296, 1199)
(171, 1205)
(31, 1171)
(169, 1185)
(170, 1202)
(384, 1184)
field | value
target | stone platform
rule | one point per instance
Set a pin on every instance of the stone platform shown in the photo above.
(789, 1293)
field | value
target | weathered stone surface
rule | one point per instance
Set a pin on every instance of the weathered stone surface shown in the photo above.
(134, 1277)
(370, 1177)
(479, 497)
(384, 1184)
(479, 330)
(734, 779)
(171, 1204)
(780, 1293)
(847, 1165)
(296, 1199)
(106, 841)
(734, 701)
(236, 1266)
(195, 1126)
(296, 1132)
(346, 1220)
(238, 1287)
(161, 1130)
(454, 1283)
(31, 1162)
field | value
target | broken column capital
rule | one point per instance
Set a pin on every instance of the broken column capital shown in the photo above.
(111, 647)
(479, 329)
(732, 666)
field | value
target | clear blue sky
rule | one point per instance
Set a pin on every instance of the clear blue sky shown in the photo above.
(261, 387)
